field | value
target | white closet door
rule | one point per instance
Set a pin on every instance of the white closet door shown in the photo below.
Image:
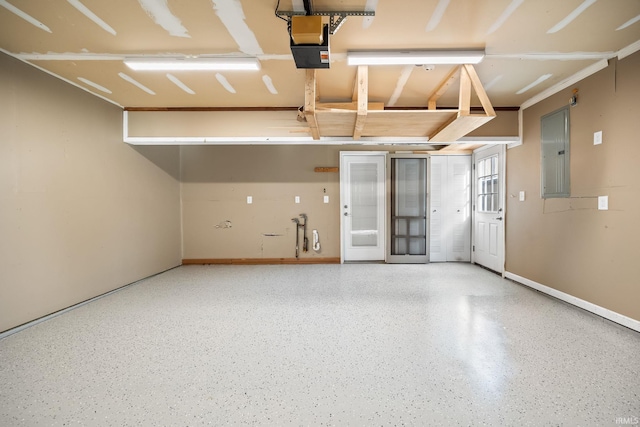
(437, 196)
(459, 208)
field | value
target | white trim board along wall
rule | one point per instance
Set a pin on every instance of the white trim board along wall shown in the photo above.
(580, 303)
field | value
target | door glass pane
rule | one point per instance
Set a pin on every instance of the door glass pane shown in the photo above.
(364, 204)
(408, 206)
(488, 185)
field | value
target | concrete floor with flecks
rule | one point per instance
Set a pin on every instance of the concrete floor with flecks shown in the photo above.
(361, 344)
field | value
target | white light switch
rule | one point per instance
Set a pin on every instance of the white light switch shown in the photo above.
(249, 200)
(603, 203)
(297, 199)
(521, 196)
(326, 199)
(597, 138)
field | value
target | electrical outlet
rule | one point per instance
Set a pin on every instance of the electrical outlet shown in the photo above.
(603, 203)
(297, 199)
(326, 199)
(249, 200)
(521, 197)
(597, 138)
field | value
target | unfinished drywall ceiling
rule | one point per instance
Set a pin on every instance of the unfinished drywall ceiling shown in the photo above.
(85, 41)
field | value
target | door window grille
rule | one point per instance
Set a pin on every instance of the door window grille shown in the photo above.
(488, 177)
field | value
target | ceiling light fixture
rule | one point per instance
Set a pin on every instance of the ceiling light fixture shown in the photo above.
(193, 64)
(414, 57)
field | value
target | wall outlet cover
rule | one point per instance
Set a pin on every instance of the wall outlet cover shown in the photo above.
(326, 199)
(297, 199)
(249, 200)
(603, 203)
(597, 138)
(521, 196)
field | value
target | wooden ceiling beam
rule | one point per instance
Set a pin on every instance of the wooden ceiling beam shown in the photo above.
(362, 100)
(359, 118)
(352, 106)
(310, 94)
(354, 94)
(464, 99)
(477, 86)
(459, 148)
(442, 87)
(466, 122)
(459, 127)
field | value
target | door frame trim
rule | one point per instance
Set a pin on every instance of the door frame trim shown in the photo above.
(503, 201)
(342, 196)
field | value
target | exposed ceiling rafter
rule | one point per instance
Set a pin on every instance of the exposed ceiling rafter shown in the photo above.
(357, 120)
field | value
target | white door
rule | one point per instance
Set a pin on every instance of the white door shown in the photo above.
(488, 230)
(450, 209)
(362, 202)
(437, 205)
(459, 208)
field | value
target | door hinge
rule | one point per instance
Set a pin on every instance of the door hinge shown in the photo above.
(474, 248)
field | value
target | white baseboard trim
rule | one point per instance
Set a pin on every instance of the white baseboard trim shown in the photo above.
(34, 322)
(586, 305)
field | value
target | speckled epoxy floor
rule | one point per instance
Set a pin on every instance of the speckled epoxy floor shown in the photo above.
(438, 344)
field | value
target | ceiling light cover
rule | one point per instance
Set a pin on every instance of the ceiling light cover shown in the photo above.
(192, 64)
(415, 57)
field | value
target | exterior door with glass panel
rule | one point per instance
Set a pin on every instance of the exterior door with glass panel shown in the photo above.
(407, 208)
(488, 230)
(362, 200)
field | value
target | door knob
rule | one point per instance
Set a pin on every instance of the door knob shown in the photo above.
(346, 214)
(499, 218)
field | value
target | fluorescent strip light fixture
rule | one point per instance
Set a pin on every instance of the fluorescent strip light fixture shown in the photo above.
(414, 57)
(192, 64)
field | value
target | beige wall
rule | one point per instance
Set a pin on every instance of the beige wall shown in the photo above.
(81, 213)
(505, 124)
(216, 181)
(568, 244)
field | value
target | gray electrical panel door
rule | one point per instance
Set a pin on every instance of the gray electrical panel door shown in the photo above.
(554, 143)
